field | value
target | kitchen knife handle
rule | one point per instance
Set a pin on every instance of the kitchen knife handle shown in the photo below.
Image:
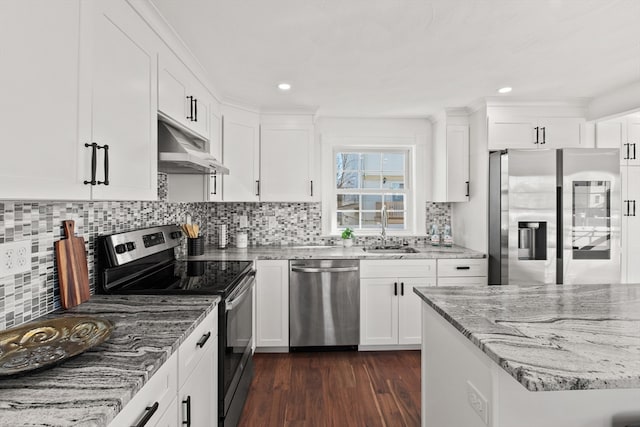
(94, 150)
(149, 411)
(537, 129)
(395, 288)
(402, 288)
(106, 165)
(187, 402)
(544, 135)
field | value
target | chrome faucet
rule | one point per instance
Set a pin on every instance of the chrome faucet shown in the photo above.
(384, 221)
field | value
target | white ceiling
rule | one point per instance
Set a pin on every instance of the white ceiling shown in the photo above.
(408, 58)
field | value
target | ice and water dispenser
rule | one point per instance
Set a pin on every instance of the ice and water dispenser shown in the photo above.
(532, 240)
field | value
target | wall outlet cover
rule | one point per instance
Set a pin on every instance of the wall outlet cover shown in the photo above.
(15, 257)
(478, 402)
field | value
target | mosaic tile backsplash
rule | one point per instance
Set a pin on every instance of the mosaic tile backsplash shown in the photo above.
(27, 296)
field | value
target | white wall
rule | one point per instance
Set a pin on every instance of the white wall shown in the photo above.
(470, 219)
(366, 131)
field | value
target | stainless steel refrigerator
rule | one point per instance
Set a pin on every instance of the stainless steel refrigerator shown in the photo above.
(554, 216)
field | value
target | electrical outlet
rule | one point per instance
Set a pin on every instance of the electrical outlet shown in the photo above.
(273, 223)
(478, 402)
(15, 257)
(242, 221)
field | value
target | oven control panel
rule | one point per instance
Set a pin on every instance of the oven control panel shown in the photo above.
(132, 245)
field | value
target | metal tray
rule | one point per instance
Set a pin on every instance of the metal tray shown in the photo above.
(45, 343)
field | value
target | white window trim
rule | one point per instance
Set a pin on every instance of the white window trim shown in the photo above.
(415, 175)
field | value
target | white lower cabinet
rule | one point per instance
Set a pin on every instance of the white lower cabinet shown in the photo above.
(462, 272)
(154, 400)
(389, 310)
(272, 304)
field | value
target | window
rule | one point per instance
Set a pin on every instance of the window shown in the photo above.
(367, 180)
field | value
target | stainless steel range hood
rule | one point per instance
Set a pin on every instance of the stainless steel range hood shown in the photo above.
(184, 154)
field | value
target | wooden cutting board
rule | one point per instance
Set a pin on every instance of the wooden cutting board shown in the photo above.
(73, 272)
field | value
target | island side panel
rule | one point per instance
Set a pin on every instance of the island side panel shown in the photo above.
(450, 366)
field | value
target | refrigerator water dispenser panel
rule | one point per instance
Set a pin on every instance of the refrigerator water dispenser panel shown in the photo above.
(532, 240)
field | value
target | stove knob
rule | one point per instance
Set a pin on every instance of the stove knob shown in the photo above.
(176, 234)
(120, 249)
(130, 246)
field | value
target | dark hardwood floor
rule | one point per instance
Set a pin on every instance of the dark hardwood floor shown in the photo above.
(335, 389)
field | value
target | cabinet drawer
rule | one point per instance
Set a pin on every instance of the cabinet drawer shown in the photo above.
(161, 390)
(190, 351)
(398, 268)
(462, 281)
(462, 267)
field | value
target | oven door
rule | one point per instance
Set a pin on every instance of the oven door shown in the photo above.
(238, 338)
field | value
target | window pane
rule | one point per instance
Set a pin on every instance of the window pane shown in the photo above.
(371, 179)
(371, 161)
(349, 202)
(371, 220)
(348, 219)
(393, 181)
(371, 202)
(396, 220)
(394, 202)
(393, 162)
(347, 180)
(347, 161)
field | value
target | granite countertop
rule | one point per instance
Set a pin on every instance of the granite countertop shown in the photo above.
(90, 389)
(330, 252)
(556, 337)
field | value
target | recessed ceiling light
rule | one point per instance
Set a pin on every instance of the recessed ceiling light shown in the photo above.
(284, 86)
(505, 89)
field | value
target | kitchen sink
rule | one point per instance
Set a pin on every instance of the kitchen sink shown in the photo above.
(390, 250)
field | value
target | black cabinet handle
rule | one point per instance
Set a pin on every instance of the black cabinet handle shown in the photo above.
(187, 402)
(395, 288)
(544, 135)
(257, 187)
(195, 110)
(203, 339)
(149, 411)
(537, 129)
(463, 267)
(626, 157)
(106, 165)
(467, 183)
(402, 288)
(634, 151)
(626, 204)
(311, 188)
(215, 184)
(190, 116)
(634, 208)
(94, 152)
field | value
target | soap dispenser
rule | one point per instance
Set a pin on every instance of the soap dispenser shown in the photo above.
(447, 238)
(435, 235)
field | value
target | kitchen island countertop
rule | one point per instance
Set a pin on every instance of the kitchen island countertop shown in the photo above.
(556, 337)
(90, 389)
(329, 252)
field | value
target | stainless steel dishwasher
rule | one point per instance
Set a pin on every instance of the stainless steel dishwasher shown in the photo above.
(324, 303)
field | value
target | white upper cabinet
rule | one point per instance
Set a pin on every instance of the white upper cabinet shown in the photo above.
(215, 148)
(124, 102)
(622, 133)
(42, 157)
(182, 99)
(286, 160)
(451, 159)
(90, 77)
(241, 154)
(536, 127)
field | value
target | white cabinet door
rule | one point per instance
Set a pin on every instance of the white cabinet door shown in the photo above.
(200, 111)
(630, 224)
(512, 132)
(633, 139)
(272, 303)
(240, 153)
(457, 163)
(172, 87)
(409, 309)
(286, 164)
(561, 132)
(196, 399)
(170, 416)
(612, 134)
(42, 157)
(378, 311)
(215, 148)
(124, 102)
